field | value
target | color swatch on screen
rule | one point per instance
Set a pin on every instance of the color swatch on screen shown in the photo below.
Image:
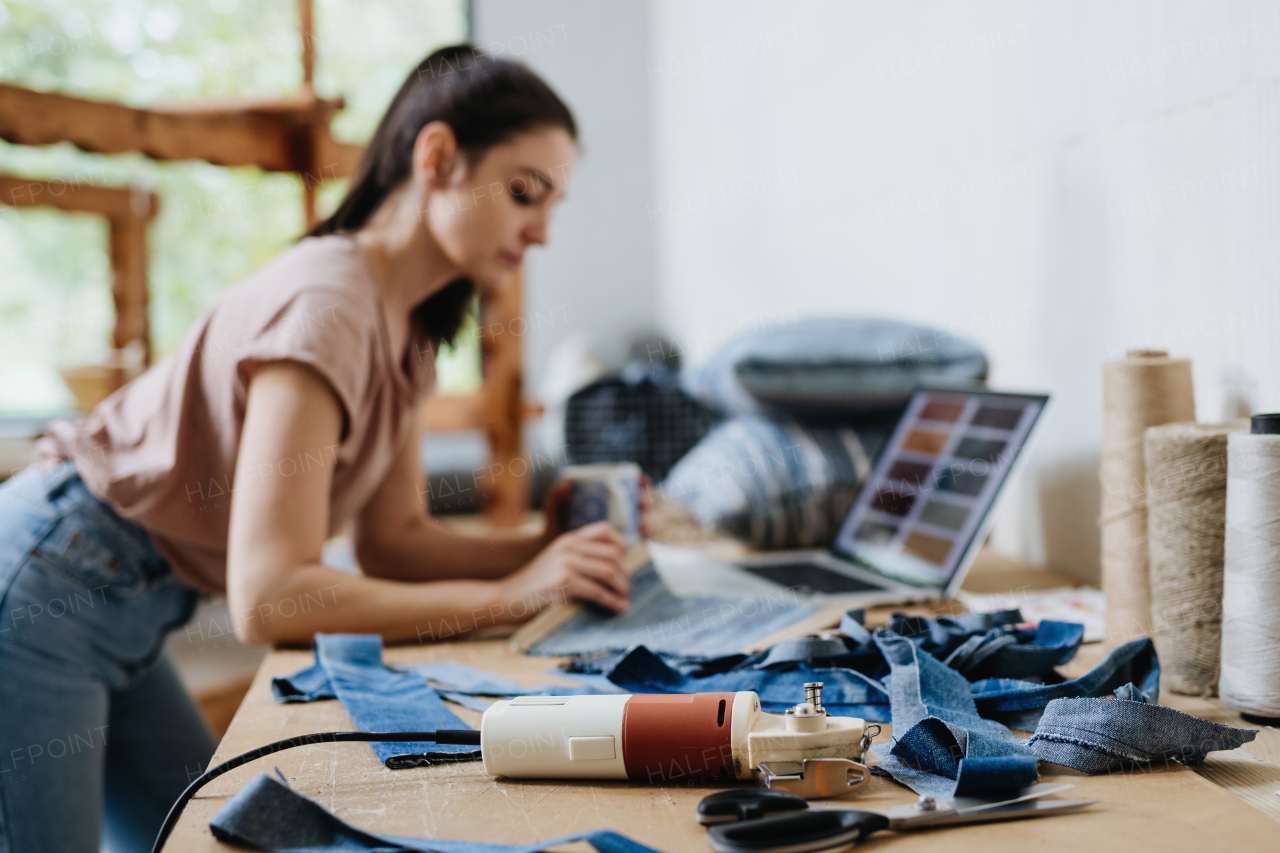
(925, 441)
(936, 479)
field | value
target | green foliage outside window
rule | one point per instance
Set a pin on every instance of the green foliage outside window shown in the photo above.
(215, 224)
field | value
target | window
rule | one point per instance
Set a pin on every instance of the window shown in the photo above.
(215, 224)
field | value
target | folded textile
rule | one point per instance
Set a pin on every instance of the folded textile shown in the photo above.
(349, 667)
(941, 746)
(949, 746)
(1019, 703)
(702, 625)
(1107, 735)
(833, 367)
(267, 815)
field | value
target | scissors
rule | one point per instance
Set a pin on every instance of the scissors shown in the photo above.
(767, 820)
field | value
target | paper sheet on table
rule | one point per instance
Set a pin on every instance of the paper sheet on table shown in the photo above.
(1085, 605)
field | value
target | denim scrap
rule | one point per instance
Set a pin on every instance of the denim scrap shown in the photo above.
(999, 653)
(455, 676)
(1019, 704)
(1105, 735)
(846, 692)
(267, 815)
(943, 635)
(941, 746)
(455, 681)
(853, 625)
(802, 650)
(377, 698)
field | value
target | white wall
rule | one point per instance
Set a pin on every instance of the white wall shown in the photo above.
(596, 277)
(1059, 181)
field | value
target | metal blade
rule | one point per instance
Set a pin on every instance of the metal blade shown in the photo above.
(1010, 811)
(964, 805)
(970, 805)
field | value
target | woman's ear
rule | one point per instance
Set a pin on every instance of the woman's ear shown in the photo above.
(435, 154)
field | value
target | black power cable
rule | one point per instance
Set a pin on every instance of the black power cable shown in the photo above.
(464, 737)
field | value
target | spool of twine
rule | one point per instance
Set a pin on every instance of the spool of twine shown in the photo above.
(1145, 389)
(1186, 525)
(1250, 679)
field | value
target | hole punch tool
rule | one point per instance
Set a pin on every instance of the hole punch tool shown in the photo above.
(765, 820)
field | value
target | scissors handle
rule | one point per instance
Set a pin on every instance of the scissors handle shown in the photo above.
(797, 832)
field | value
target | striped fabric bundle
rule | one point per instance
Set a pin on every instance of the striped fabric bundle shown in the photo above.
(773, 484)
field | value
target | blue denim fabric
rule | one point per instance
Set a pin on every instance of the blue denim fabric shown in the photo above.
(1019, 703)
(97, 735)
(266, 815)
(460, 683)
(378, 699)
(453, 680)
(703, 626)
(941, 746)
(951, 737)
(846, 691)
(853, 667)
(1106, 735)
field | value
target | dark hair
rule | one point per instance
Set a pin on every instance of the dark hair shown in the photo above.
(486, 101)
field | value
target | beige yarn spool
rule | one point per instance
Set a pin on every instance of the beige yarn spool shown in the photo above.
(1250, 679)
(1145, 389)
(1186, 525)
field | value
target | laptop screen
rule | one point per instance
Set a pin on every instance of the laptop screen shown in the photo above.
(936, 483)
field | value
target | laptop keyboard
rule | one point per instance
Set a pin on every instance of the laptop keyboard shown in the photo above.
(808, 577)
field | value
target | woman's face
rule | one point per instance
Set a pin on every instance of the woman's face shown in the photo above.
(494, 209)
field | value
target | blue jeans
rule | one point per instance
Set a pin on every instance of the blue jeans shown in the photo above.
(97, 735)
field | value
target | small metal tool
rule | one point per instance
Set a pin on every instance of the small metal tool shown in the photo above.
(813, 695)
(816, 778)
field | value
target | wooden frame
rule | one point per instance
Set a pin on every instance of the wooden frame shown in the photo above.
(128, 212)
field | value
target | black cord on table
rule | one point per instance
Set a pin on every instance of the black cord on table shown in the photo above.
(465, 737)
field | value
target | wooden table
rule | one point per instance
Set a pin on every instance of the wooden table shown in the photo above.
(1230, 803)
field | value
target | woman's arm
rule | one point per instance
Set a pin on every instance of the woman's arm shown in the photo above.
(395, 538)
(276, 587)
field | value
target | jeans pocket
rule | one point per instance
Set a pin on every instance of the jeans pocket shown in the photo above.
(92, 555)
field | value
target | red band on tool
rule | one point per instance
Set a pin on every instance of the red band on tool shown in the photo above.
(678, 738)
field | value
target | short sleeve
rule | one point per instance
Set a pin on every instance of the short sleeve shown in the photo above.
(326, 328)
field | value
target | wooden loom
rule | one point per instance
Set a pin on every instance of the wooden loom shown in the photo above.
(281, 134)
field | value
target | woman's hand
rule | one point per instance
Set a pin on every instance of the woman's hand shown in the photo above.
(583, 564)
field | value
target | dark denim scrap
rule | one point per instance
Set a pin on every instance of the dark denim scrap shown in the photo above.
(998, 653)
(846, 692)
(1105, 735)
(1019, 703)
(267, 815)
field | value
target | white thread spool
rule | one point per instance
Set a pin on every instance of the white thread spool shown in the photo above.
(1250, 679)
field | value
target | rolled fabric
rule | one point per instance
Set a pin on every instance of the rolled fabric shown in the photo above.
(1142, 390)
(1186, 525)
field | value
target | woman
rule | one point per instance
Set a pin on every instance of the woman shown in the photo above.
(286, 414)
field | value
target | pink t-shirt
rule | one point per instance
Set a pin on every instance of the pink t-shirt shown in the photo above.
(162, 450)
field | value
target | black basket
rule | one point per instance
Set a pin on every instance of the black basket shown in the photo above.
(645, 419)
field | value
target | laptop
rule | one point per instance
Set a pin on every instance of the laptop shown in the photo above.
(916, 525)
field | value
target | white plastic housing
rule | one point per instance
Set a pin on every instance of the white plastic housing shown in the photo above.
(554, 737)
